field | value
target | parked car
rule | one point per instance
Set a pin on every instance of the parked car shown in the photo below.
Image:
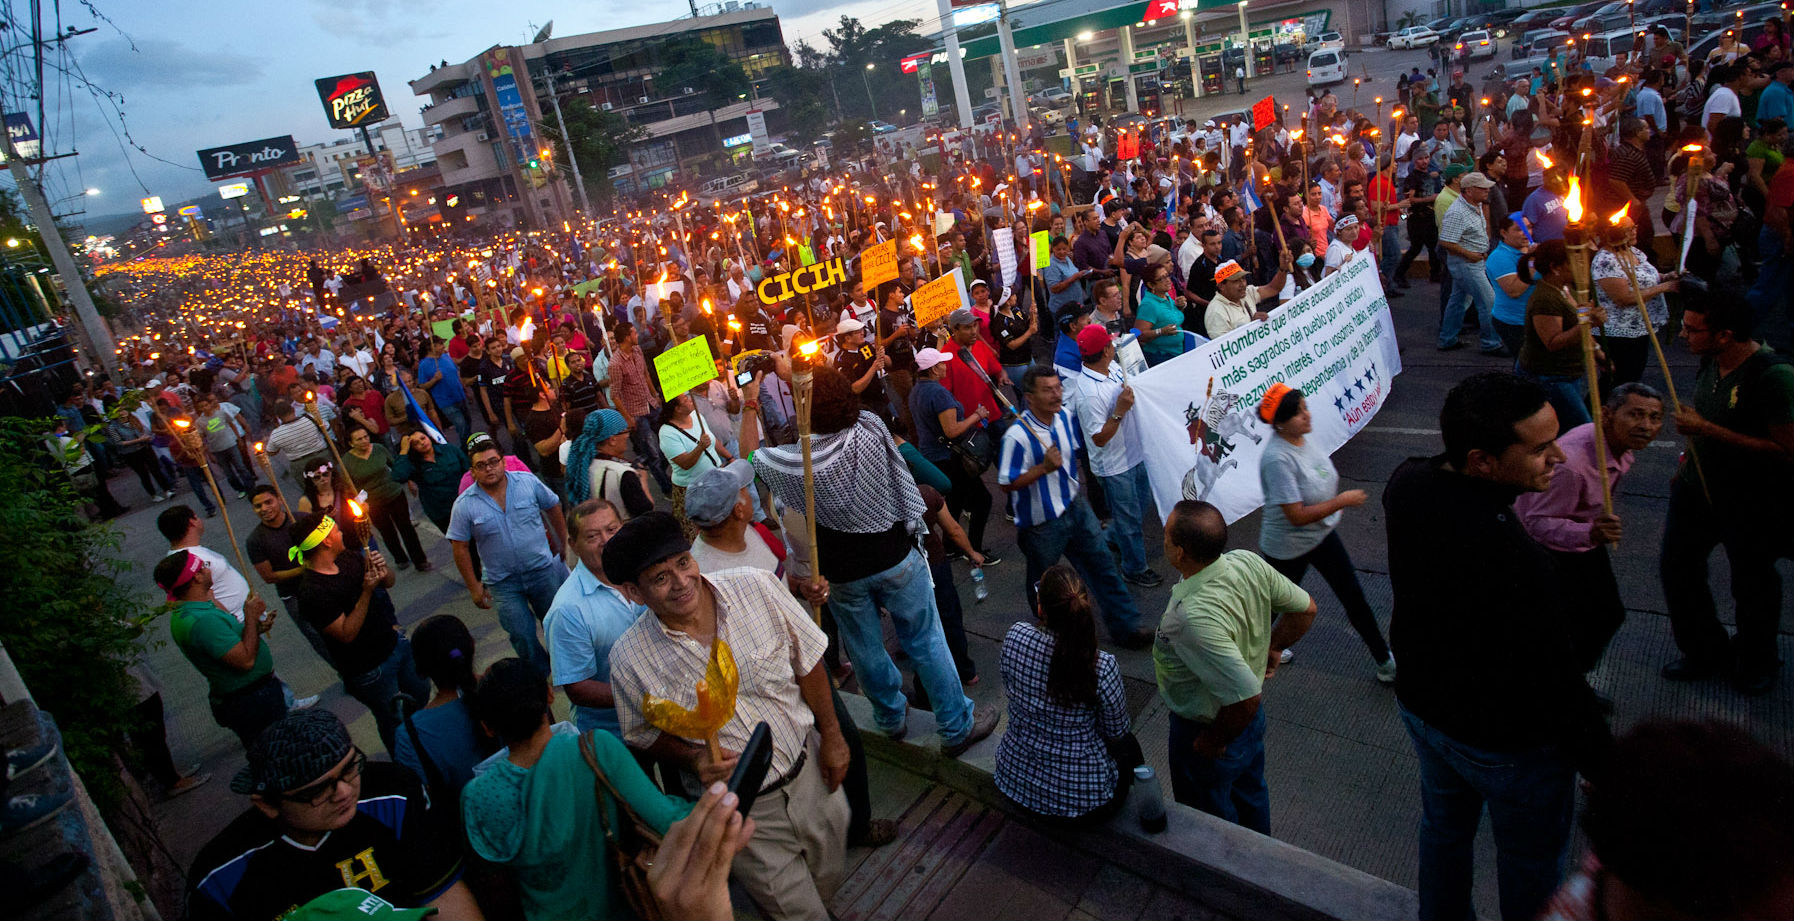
(1288, 53)
(1051, 118)
(1475, 45)
(1538, 19)
(879, 127)
(1324, 41)
(1413, 37)
(1567, 17)
(1054, 98)
(1327, 67)
(1539, 43)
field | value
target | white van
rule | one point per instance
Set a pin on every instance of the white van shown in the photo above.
(1327, 67)
(724, 188)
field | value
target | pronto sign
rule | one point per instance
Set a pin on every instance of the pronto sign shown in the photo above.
(352, 100)
(249, 157)
(780, 288)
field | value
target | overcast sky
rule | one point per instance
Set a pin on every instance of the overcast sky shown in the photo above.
(200, 73)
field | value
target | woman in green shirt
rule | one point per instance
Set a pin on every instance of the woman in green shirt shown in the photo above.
(537, 810)
(1161, 339)
(370, 466)
(1552, 352)
(436, 469)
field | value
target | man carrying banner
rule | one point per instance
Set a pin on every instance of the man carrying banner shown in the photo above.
(1038, 468)
(1101, 402)
(1236, 302)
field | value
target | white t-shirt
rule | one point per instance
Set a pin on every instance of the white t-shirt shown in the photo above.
(228, 584)
(756, 556)
(1723, 101)
(1337, 254)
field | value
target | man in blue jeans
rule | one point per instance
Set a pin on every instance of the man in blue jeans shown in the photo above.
(1038, 467)
(1491, 691)
(1101, 405)
(518, 525)
(868, 518)
(1230, 618)
(438, 375)
(1464, 238)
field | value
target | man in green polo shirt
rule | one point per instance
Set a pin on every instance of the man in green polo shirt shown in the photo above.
(1231, 616)
(246, 696)
(1740, 427)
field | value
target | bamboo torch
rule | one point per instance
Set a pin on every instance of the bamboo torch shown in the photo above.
(1669, 380)
(1577, 236)
(802, 376)
(261, 458)
(311, 407)
(183, 429)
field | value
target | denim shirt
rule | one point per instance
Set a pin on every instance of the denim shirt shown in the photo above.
(511, 539)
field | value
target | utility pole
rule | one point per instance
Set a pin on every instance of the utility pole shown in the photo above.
(99, 335)
(585, 200)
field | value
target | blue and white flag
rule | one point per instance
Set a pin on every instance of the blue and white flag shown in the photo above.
(1249, 197)
(423, 418)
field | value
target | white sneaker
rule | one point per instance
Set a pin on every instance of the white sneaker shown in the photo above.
(1386, 671)
(305, 703)
(162, 497)
(1285, 658)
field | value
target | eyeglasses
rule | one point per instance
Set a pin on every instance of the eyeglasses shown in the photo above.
(489, 464)
(315, 794)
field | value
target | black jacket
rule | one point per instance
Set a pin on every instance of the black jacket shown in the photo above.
(1480, 620)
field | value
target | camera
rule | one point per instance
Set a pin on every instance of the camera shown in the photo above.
(753, 363)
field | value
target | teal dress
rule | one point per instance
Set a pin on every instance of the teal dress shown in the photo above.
(1160, 312)
(438, 482)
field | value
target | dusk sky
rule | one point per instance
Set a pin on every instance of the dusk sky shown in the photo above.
(200, 73)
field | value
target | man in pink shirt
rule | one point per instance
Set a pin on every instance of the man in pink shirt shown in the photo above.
(1568, 519)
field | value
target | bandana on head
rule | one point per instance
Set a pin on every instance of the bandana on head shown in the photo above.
(188, 571)
(1227, 270)
(312, 540)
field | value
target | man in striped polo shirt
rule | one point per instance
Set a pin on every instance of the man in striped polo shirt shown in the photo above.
(1039, 470)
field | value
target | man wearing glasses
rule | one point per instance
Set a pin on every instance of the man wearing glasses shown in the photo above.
(322, 817)
(521, 533)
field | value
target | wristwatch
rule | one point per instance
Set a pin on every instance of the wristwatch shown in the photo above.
(1114, 417)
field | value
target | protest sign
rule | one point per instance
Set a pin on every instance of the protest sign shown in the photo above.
(1335, 342)
(933, 301)
(878, 263)
(685, 366)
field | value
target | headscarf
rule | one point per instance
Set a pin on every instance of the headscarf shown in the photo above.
(598, 427)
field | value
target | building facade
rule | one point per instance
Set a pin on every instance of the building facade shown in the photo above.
(334, 169)
(489, 112)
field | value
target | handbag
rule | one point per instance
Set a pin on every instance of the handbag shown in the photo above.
(633, 848)
(975, 450)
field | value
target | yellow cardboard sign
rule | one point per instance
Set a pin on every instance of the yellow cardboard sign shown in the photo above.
(1043, 250)
(685, 366)
(878, 263)
(933, 301)
(780, 288)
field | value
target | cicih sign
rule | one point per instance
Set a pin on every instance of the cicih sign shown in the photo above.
(780, 288)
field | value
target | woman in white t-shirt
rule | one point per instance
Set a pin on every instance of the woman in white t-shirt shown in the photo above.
(1302, 507)
(688, 442)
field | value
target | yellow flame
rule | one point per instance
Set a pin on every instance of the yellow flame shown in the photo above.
(1573, 200)
(1619, 217)
(809, 348)
(356, 509)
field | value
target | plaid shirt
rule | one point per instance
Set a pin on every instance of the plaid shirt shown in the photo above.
(773, 641)
(629, 382)
(1052, 758)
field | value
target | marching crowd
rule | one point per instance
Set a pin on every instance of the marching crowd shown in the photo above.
(625, 534)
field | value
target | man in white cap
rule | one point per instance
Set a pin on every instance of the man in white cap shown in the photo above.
(863, 367)
(1464, 237)
(1236, 300)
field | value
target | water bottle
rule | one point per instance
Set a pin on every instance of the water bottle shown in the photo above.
(1152, 800)
(978, 590)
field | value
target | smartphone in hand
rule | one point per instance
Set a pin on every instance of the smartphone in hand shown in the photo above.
(750, 771)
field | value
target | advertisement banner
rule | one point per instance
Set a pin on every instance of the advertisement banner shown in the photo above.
(352, 100)
(931, 106)
(685, 366)
(933, 301)
(1335, 342)
(756, 121)
(25, 140)
(248, 157)
(878, 263)
(511, 108)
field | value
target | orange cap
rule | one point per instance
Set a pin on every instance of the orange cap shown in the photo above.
(1273, 398)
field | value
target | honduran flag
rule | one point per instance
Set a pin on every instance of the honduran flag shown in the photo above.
(423, 418)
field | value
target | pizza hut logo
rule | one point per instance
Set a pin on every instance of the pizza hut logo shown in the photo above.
(352, 99)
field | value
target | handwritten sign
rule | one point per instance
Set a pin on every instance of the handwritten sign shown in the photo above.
(878, 263)
(685, 366)
(444, 329)
(1004, 243)
(779, 288)
(1043, 250)
(1127, 147)
(1264, 113)
(933, 301)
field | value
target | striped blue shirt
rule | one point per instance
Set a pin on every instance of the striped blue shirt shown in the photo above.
(1025, 444)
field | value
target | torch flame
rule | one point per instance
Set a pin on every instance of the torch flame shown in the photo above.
(258, 448)
(1573, 200)
(356, 509)
(1691, 148)
(916, 241)
(808, 349)
(182, 424)
(1619, 217)
(1544, 161)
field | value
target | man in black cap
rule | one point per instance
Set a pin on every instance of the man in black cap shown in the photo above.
(322, 817)
(794, 861)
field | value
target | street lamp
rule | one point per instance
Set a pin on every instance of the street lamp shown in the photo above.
(867, 83)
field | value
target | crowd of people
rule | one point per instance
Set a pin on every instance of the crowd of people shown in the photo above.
(510, 388)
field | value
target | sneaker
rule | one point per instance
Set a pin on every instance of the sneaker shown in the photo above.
(305, 703)
(425, 566)
(1385, 672)
(878, 833)
(20, 761)
(211, 513)
(1452, 346)
(162, 497)
(896, 735)
(242, 494)
(1145, 578)
(1139, 639)
(402, 564)
(990, 556)
(187, 785)
(33, 809)
(984, 722)
(1285, 658)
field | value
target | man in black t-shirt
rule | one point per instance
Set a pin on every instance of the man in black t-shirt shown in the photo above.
(344, 596)
(491, 374)
(579, 391)
(270, 547)
(860, 364)
(756, 328)
(897, 332)
(323, 817)
(1015, 336)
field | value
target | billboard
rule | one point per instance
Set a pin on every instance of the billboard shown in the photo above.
(233, 190)
(152, 205)
(249, 157)
(352, 100)
(25, 140)
(511, 107)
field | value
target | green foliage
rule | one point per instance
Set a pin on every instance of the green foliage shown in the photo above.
(1410, 18)
(687, 61)
(600, 138)
(71, 626)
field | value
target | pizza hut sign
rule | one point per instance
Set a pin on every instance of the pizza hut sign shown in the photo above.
(352, 100)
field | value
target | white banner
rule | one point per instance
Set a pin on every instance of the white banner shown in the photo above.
(1335, 342)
